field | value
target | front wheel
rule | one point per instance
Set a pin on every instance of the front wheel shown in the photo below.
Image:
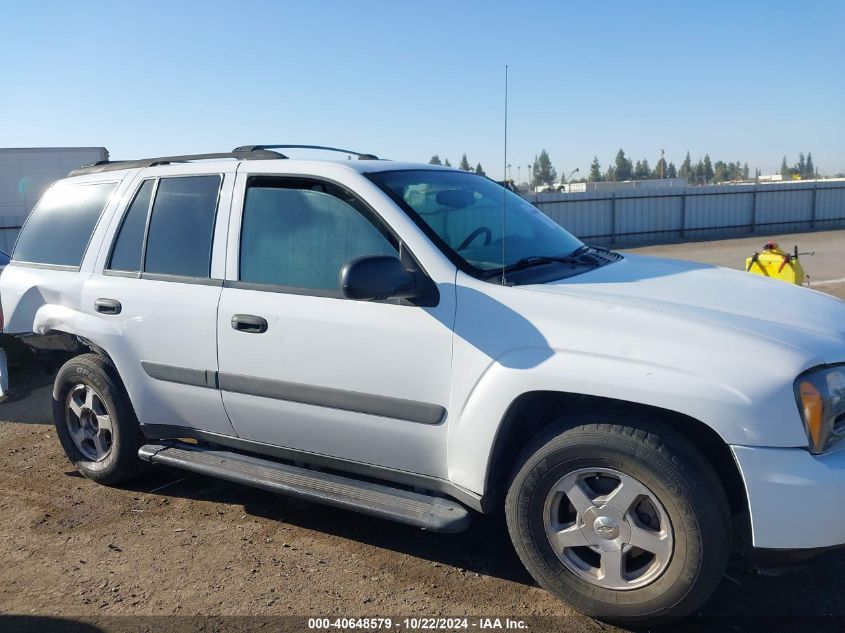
(627, 522)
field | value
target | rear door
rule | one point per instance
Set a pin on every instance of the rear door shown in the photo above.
(156, 291)
(304, 368)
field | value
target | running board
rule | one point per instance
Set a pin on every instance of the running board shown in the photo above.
(429, 513)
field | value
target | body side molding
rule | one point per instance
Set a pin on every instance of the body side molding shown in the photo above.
(357, 402)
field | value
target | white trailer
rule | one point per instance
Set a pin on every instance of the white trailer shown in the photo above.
(26, 172)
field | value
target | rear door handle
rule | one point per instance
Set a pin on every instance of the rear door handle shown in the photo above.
(249, 323)
(108, 306)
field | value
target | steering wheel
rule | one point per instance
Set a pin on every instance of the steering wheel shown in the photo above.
(481, 230)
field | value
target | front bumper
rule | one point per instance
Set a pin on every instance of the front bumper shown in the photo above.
(796, 500)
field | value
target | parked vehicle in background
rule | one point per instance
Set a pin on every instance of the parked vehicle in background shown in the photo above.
(415, 342)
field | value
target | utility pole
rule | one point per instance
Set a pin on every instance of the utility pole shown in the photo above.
(518, 175)
(530, 178)
(662, 163)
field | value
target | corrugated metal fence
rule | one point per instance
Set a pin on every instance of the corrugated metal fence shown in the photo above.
(696, 213)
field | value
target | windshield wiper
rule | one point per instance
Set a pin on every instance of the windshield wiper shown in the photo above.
(580, 255)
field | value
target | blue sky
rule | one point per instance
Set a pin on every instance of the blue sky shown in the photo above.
(749, 81)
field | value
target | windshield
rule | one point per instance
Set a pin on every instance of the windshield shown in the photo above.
(464, 211)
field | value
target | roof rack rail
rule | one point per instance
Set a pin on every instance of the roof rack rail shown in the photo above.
(107, 165)
(257, 148)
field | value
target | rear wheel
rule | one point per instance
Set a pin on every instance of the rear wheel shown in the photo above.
(95, 421)
(627, 521)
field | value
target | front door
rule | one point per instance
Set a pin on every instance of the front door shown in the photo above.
(304, 368)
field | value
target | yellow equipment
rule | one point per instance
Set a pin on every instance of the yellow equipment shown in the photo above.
(776, 263)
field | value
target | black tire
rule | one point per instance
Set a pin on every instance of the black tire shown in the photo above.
(121, 463)
(673, 470)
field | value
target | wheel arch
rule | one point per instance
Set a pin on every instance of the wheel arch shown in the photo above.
(533, 412)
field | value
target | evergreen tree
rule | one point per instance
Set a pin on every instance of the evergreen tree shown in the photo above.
(671, 171)
(464, 166)
(809, 168)
(686, 170)
(624, 169)
(660, 169)
(610, 174)
(698, 174)
(708, 169)
(595, 171)
(801, 165)
(479, 170)
(745, 172)
(642, 171)
(734, 171)
(435, 160)
(784, 169)
(721, 171)
(544, 173)
(446, 163)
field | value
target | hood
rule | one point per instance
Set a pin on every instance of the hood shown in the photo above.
(784, 313)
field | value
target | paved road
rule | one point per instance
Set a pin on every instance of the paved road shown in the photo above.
(826, 269)
(175, 543)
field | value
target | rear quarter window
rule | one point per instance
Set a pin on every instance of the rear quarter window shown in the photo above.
(59, 228)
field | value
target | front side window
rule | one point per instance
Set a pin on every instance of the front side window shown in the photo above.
(182, 226)
(299, 234)
(58, 230)
(477, 222)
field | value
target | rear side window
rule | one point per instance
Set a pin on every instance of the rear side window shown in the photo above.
(182, 226)
(59, 228)
(130, 240)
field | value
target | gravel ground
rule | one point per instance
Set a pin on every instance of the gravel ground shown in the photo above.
(174, 544)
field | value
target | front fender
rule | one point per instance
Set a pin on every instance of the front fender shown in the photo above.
(765, 415)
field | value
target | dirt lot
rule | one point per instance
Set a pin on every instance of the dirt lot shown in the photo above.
(175, 544)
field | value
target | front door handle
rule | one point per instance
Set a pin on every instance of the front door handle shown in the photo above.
(108, 306)
(249, 323)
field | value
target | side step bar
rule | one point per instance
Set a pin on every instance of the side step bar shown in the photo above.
(423, 511)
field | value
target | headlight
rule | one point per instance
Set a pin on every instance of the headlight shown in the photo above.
(820, 393)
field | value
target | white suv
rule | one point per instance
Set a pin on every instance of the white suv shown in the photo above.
(411, 342)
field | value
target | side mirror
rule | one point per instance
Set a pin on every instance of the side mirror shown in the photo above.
(375, 277)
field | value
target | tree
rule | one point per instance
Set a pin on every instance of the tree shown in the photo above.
(610, 174)
(721, 171)
(435, 160)
(686, 170)
(745, 172)
(784, 170)
(642, 170)
(810, 169)
(671, 171)
(801, 165)
(624, 169)
(544, 173)
(660, 169)
(446, 163)
(708, 169)
(479, 170)
(595, 171)
(734, 171)
(464, 166)
(698, 174)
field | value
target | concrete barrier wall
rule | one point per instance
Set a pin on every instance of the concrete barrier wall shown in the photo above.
(663, 215)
